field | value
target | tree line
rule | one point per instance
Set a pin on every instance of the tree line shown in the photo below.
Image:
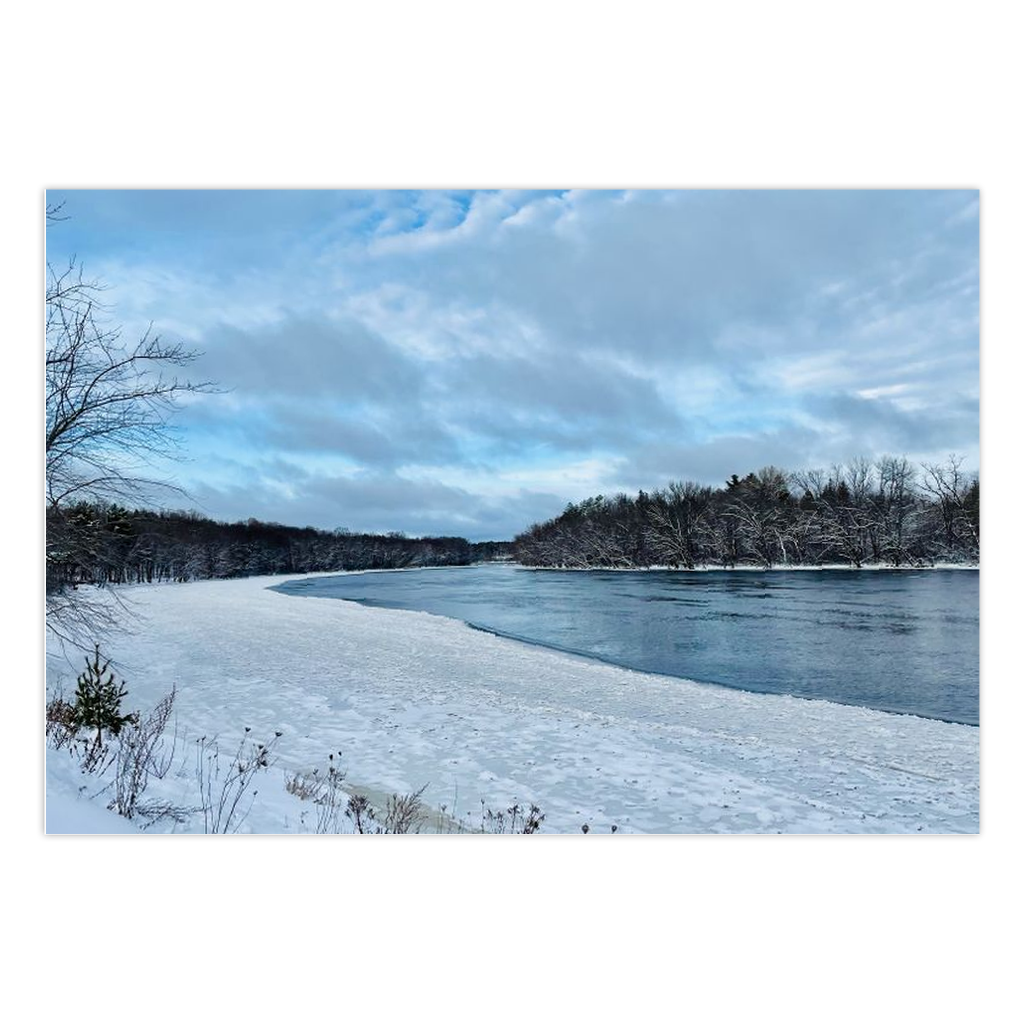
(888, 512)
(103, 542)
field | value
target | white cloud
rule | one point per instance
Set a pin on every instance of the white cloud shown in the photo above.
(556, 344)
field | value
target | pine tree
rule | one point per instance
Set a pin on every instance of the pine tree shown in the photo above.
(98, 700)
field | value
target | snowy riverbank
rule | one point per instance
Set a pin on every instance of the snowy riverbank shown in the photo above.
(412, 699)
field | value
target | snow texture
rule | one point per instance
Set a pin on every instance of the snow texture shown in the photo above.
(410, 698)
(69, 808)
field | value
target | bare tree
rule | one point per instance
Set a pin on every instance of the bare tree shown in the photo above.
(896, 507)
(858, 512)
(957, 495)
(836, 508)
(758, 505)
(679, 523)
(108, 409)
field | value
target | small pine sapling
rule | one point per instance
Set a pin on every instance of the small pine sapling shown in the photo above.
(98, 700)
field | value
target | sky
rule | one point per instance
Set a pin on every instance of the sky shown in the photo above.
(456, 362)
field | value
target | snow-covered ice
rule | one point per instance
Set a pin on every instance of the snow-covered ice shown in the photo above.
(411, 699)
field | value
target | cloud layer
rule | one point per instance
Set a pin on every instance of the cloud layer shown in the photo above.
(468, 362)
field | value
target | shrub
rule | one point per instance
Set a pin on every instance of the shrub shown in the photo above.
(61, 726)
(324, 790)
(141, 756)
(402, 814)
(514, 820)
(223, 784)
(362, 815)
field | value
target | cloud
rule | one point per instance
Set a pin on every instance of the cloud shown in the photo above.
(714, 461)
(396, 438)
(368, 503)
(302, 357)
(431, 359)
(879, 424)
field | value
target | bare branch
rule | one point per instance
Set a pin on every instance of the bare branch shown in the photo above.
(109, 407)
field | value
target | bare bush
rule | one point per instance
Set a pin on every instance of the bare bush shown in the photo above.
(514, 820)
(155, 811)
(325, 791)
(224, 783)
(142, 754)
(63, 733)
(404, 813)
(362, 814)
(61, 726)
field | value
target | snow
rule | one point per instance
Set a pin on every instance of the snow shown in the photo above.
(69, 808)
(410, 698)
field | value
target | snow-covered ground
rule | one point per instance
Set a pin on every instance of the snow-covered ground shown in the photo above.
(412, 699)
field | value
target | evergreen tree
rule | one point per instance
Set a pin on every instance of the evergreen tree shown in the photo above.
(98, 700)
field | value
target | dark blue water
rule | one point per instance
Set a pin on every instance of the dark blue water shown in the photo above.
(897, 641)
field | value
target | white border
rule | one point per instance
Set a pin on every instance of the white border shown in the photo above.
(785, 94)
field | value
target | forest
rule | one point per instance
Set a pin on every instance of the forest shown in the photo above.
(886, 513)
(104, 542)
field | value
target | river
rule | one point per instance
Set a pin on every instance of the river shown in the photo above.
(902, 641)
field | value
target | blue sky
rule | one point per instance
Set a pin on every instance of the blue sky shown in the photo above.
(459, 362)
